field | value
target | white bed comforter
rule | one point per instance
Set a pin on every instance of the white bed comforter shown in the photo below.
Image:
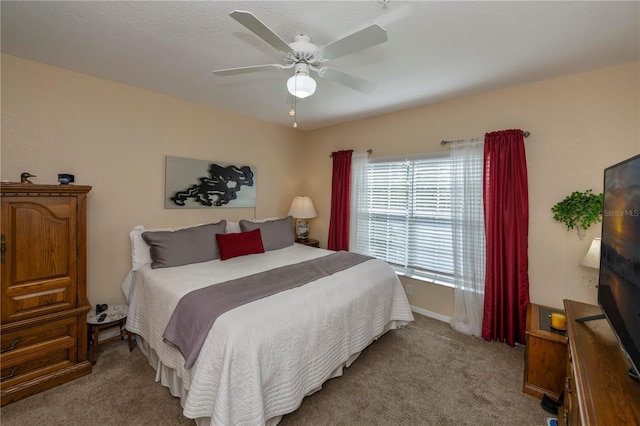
(260, 359)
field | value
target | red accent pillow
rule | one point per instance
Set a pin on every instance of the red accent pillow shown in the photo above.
(239, 244)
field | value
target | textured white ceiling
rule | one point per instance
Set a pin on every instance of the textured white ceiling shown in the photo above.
(437, 50)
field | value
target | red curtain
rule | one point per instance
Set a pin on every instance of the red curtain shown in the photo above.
(340, 201)
(506, 212)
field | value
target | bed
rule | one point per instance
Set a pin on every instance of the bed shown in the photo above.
(258, 360)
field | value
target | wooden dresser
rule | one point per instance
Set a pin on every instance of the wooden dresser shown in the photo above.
(44, 298)
(598, 390)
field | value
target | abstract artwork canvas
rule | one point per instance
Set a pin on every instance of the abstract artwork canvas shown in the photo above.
(202, 184)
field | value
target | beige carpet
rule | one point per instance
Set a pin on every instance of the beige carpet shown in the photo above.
(423, 374)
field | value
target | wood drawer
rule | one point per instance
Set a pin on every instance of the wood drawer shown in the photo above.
(39, 338)
(570, 410)
(32, 366)
(571, 401)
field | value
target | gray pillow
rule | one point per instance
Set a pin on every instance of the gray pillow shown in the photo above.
(184, 246)
(276, 234)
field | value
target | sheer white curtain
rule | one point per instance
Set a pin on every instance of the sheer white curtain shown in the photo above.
(358, 227)
(467, 160)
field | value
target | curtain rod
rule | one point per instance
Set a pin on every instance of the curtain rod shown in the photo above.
(526, 134)
(369, 151)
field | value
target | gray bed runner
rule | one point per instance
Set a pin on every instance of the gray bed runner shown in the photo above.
(198, 310)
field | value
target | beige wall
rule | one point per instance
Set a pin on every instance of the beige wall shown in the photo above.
(579, 125)
(115, 138)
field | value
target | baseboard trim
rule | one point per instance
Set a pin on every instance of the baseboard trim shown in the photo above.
(430, 314)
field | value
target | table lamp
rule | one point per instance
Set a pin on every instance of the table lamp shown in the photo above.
(592, 258)
(302, 209)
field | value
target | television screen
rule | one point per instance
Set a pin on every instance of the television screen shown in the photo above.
(619, 286)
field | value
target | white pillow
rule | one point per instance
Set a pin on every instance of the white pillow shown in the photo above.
(266, 219)
(140, 250)
(233, 227)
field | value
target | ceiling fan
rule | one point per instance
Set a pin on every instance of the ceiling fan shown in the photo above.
(303, 56)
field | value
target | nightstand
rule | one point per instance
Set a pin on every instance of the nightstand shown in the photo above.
(545, 363)
(116, 316)
(310, 242)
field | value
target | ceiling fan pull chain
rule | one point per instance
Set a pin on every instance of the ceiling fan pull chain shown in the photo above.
(295, 105)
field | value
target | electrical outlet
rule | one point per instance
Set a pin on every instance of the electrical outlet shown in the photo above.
(590, 281)
(409, 289)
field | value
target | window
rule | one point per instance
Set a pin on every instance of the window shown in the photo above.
(405, 218)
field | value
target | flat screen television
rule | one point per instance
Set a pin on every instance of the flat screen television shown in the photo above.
(619, 275)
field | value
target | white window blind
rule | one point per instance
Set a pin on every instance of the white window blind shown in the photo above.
(408, 216)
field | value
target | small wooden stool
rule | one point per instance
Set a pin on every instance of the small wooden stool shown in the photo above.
(116, 316)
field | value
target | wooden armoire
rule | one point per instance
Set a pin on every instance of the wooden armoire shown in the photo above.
(44, 294)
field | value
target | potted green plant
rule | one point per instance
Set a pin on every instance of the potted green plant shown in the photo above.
(579, 210)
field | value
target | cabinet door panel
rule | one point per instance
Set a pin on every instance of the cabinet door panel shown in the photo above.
(39, 269)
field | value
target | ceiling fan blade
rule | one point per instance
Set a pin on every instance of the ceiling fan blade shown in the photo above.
(359, 84)
(245, 70)
(367, 37)
(253, 24)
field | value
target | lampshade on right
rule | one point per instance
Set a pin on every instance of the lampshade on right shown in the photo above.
(302, 209)
(592, 258)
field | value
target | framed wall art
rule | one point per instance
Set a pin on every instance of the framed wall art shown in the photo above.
(202, 184)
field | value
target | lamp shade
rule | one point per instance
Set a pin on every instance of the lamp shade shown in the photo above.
(301, 85)
(302, 208)
(592, 258)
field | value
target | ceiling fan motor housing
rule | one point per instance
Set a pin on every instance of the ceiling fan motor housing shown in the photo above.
(301, 68)
(303, 51)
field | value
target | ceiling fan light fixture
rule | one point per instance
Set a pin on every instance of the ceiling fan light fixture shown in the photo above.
(301, 85)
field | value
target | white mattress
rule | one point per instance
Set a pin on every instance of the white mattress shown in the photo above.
(260, 359)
